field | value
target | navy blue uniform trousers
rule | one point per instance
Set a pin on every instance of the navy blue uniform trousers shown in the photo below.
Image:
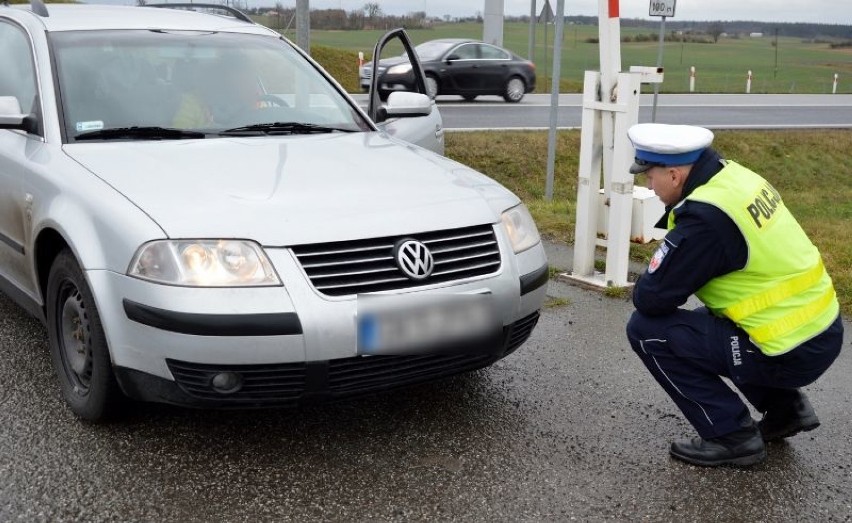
(689, 351)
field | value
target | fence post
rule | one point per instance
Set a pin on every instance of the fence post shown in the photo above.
(692, 79)
(748, 82)
(834, 87)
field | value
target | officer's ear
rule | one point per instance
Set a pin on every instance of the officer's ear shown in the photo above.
(679, 174)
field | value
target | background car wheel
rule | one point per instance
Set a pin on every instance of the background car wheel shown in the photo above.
(432, 87)
(469, 97)
(515, 89)
(78, 346)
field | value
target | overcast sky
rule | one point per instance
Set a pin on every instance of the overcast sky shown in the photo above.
(819, 11)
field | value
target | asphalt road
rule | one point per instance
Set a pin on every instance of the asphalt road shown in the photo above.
(570, 427)
(716, 111)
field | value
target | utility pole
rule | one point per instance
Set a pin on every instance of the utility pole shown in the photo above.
(303, 25)
(531, 39)
(554, 98)
(775, 74)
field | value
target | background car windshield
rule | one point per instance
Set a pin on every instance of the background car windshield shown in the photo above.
(191, 80)
(432, 50)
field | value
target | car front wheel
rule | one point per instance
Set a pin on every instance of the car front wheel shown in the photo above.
(78, 345)
(431, 86)
(515, 89)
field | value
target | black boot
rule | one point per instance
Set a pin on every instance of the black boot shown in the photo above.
(741, 448)
(783, 420)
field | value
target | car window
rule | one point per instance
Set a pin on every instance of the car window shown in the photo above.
(489, 52)
(188, 80)
(432, 50)
(466, 52)
(17, 69)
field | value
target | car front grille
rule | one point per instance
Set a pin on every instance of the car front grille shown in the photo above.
(367, 72)
(291, 383)
(362, 266)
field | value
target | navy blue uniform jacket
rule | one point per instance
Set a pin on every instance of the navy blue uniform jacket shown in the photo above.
(704, 244)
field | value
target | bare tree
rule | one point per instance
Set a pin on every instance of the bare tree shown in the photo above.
(373, 10)
(278, 9)
(715, 30)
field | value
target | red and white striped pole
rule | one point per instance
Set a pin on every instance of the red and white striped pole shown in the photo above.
(748, 83)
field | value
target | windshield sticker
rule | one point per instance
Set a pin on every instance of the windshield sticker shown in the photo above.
(95, 125)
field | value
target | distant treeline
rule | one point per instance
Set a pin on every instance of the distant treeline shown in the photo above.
(372, 17)
(338, 19)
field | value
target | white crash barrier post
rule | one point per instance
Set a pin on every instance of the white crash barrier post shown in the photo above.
(610, 107)
(748, 83)
(834, 87)
(360, 59)
(692, 79)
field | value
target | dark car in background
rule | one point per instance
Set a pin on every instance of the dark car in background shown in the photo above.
(457, 66)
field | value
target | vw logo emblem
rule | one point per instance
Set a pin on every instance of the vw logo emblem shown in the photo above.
(414, 259)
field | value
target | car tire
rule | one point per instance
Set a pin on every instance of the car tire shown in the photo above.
(78, 345)
(469, 97)
(514, 90)
(433, 88)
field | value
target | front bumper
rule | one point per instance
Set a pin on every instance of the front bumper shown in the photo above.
(291, 384)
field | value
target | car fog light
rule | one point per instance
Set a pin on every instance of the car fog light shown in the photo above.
(227, 382)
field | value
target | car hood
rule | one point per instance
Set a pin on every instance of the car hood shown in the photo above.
(388, 62)
(296, 189)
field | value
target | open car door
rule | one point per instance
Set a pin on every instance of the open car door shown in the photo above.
(409, 116)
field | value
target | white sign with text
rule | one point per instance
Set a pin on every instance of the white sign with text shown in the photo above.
(662, 8)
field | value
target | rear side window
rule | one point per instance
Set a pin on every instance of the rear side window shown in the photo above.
(489, 52)
(17, 69)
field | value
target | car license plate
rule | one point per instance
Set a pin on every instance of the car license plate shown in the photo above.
(395, 325)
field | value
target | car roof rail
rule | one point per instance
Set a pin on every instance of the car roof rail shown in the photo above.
(236, 13)
(39, 8)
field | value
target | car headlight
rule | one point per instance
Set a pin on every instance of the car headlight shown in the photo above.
(521, 228)
(400, 69)
(204, 263)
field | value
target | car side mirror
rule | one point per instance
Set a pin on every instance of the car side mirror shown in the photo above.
(452, 57)
(11, 116)
(403, 104)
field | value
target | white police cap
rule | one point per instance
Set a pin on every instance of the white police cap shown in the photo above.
(663, 144)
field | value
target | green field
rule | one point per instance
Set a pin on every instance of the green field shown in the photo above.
(720, 68)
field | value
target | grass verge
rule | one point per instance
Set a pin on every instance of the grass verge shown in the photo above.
(809, 169)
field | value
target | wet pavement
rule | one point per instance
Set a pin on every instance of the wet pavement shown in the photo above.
(570, 427)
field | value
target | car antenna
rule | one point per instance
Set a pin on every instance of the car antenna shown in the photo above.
(39, 8)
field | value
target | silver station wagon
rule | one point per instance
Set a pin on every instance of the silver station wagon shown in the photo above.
(201, 216)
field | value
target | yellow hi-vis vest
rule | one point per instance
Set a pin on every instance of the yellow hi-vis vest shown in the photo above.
(783, 296)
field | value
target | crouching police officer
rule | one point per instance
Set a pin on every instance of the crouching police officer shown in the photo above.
(771, 320)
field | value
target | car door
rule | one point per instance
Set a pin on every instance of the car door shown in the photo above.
(463, 68)
(493, 69)
(426, 131)
(17, 149)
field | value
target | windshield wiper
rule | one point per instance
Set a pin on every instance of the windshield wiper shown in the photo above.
(139, 133)
(283, 128)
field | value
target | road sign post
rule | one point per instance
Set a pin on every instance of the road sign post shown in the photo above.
(664, 9)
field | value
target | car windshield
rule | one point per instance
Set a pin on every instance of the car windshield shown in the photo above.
(432, 50)
(185, 84)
